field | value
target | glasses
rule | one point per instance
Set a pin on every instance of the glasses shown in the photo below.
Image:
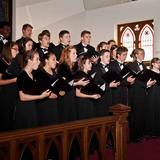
(16, 49)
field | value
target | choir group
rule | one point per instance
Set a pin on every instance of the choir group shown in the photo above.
(43, 84)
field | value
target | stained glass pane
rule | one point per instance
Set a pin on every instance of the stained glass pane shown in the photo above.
(146, 41)
(127, 40)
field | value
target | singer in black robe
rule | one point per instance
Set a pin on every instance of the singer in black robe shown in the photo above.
(67, 103)
(64, 41)
(47, 109)
(102, 104)
(25, 111)
(152, 109)
(119, 94)
(85, 106)
(9, 70)
(8, 96)
(137, 97)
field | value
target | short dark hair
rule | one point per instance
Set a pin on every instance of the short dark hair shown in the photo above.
(46, 32)
(113, 47)
(61, 33)
(111, 40)
(26, 25)
(40, 36)
(121, 49)
(101, 44)
(101, 53)
(85, 32)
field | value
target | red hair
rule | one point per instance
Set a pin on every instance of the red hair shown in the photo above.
(65, 56)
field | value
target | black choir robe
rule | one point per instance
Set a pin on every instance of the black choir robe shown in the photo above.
(137, 96)
(80, 49)
(102, 104)
(1, 43)
(119, 94)
(67, 103)
(58, 50)
(42, 51)
(152, 111)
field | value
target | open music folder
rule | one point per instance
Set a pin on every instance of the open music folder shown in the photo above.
(111, 76)
(124, 74)
(91, 88)
(149, 74)
(61, 85)
(127, 72)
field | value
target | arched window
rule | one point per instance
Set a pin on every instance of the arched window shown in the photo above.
(135, 35)
(146, 41)
(127, 39)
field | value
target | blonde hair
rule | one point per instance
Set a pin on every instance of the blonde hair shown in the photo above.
(136, 51)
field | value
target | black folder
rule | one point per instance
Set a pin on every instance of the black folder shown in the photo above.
(61, 85)
(127, 72)
(88, 54)
(81, 75)
(112, 76)
(124, 74)
(56, 85)
(149, 74)
(91, 88)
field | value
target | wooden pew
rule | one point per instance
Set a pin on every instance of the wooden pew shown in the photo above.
(37, 141)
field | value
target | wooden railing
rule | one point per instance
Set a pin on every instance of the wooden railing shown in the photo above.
(37, 142)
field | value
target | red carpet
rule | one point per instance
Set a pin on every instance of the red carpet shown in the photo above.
(145, 150)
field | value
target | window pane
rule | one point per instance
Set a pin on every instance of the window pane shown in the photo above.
(146, 41)
(127, 40)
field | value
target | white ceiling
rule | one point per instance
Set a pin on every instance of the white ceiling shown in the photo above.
(93, 4)
(22, 3)
(88, 4)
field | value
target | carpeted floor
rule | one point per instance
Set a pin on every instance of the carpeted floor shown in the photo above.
(144, 150)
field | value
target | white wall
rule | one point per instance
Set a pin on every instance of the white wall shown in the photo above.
(101, 22)
(106, 27)
(44, 13)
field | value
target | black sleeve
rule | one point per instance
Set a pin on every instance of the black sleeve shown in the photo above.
(64, 71)
(2, 67)
(1, 47)
(20, 82)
